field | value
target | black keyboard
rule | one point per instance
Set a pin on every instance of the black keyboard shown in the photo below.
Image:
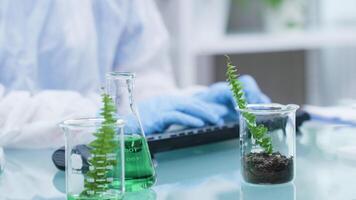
(197, 136)
(184, 138)
(191, 137)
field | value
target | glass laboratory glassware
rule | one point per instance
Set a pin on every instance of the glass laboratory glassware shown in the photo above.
(102, 174)
(257, 166)
(139, 170)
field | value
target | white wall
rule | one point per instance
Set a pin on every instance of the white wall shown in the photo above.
(336, 72)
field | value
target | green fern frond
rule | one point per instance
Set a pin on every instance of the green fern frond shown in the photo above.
(98, 178)
(258, 132)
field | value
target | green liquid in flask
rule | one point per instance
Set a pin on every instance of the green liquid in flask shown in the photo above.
(139, 171)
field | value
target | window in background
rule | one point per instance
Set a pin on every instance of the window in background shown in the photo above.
(305, 55)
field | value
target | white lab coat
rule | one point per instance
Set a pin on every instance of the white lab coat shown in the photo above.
(54, 56)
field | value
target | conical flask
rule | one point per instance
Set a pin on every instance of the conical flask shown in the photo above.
(139, 171)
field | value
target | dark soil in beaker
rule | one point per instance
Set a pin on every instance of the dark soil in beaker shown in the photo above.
(261, 168)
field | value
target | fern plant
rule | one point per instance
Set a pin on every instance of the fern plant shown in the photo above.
(274, 4)
(258, 132)
(103, 151)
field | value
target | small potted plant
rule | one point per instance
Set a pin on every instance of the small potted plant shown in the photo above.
(267, 137)
(272, 16)
(284, 15)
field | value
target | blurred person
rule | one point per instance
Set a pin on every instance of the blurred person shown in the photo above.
(54, 56)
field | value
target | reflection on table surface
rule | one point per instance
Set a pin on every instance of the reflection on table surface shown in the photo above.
(267, 192)
(326, 169)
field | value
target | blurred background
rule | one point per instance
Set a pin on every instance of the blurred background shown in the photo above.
(300, 51)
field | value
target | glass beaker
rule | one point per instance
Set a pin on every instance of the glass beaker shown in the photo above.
(258, 165)
(98, 172)
(139, 170)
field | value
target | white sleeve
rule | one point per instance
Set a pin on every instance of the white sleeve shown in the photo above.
(143, 49)
(31, 121)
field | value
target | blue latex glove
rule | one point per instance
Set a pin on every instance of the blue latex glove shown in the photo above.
(158, 113)
(220, 93)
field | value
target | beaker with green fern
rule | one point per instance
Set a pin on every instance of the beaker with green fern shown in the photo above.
(267, 136)
(105, 175)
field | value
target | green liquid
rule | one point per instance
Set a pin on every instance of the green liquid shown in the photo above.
(139, 171)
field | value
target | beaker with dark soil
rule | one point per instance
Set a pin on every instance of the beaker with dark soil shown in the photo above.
(278, 166)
